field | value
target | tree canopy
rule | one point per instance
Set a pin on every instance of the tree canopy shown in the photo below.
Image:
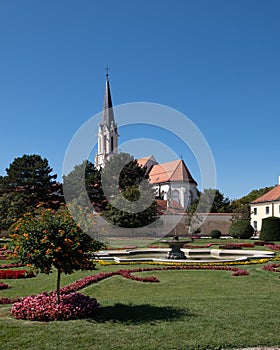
(210, 201)
(131, 198)
(47, 239)
(241, 206)
(83, 184)
(29, 181)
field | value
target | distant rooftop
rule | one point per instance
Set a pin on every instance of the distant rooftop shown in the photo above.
(270, 196)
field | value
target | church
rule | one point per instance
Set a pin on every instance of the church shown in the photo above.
(174, 185)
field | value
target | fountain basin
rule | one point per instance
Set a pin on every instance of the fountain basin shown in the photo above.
(202, 255)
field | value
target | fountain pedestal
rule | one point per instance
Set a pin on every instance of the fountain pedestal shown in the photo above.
(176, 245)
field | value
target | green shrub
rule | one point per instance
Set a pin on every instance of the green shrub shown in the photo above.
(215, 234)
(270, 230)
(241, 229)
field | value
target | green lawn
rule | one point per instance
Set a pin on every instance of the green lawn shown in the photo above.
(186, 310)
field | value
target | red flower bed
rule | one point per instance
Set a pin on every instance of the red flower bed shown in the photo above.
(207, 245)
(87, 281)
(272, 267)
(272, 246)
(4, 285)
(9, 300)
(44, 307)
(10, 266)
(15, 274)
(237, 245)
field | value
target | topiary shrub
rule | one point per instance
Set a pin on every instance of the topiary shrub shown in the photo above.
(241, 229)
(270, 230)
(215, 234)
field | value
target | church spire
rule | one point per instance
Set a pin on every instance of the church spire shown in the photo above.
(108, 114)
(108, 130)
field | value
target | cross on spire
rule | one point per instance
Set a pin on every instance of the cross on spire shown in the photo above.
(107, 71)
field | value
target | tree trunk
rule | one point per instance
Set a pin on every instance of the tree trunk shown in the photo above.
(58, 286)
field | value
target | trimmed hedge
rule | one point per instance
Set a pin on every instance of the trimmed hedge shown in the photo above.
(270, 230)
(241, 229)
(215, 234)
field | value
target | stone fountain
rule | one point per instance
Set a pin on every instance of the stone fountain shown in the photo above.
(176, 244)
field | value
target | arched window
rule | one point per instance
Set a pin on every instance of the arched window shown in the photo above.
(188, 198)
(175, 196)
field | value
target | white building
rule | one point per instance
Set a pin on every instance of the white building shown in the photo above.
(265, 206)
(172, 180)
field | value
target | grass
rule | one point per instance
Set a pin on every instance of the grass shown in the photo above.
(186, 310)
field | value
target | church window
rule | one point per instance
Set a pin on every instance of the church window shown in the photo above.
(175, 196)
(188, 198)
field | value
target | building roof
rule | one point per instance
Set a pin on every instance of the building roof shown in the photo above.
(270, 196)
(175, 171)
(108, 114)
(143, 161)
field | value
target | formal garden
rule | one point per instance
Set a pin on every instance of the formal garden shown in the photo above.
(143, 306)
(58, 291)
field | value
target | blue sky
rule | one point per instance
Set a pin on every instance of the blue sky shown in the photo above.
(216, 61)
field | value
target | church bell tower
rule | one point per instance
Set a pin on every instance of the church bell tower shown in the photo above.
(107, 131)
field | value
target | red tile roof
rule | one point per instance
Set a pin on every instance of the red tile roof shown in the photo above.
(143, 161)
(270, 196)
(171, 171)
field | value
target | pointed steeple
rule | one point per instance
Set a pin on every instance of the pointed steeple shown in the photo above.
(107, 131)
(108, 114)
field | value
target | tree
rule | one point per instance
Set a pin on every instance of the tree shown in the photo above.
(132, 213)
(210, 201)
(270, 230)
(28, 182)
(11, 206)
(83, 184)
(131, 198)
(241, 206)
(48, 239)
(241, 229)
(120, 172)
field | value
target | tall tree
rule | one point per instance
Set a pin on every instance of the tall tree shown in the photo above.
(28, 182)
(210, 201)
(130, 195)
(83, 184)
(241, 206)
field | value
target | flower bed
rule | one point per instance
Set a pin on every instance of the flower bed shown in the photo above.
(272, 267)
(44, 307)
(5, 300)
(87, 281)
(272, 246)
(4, 285)
(10, 266)
(15, 274)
